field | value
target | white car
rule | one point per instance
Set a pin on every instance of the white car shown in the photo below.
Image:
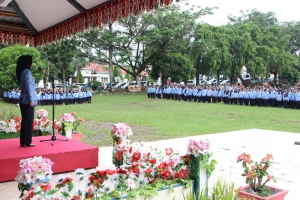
(212, 81)
(202, 82)
(224, 82)
(125, 85)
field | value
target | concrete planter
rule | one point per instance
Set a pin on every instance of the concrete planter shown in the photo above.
(276, 193)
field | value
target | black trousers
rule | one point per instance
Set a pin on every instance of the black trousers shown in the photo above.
(285, 103)
(27, 113)
(298, 104)
(235, 100)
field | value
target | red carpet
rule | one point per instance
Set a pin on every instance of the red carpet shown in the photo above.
(66, 155)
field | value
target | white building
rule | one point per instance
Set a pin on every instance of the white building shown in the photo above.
(97, 72)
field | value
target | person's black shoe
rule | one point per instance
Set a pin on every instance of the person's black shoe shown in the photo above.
(30, 145)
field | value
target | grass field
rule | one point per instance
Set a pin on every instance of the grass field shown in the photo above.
(152, 119)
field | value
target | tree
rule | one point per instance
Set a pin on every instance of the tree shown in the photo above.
(137, 41)
(172, 65)
(59, 56)
(8, 61)
(77, 63)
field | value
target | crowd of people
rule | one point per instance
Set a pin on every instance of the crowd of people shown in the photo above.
(58, 96)
(266, 96)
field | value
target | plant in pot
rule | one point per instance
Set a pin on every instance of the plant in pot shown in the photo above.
(33, 170)
(257, 175)
(77, 122)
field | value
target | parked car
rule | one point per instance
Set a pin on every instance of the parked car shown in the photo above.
(224, 82)
(125, 86)
(191, 82)
(202, 82)
(212, 81)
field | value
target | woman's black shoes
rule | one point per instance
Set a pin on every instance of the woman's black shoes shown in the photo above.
(27, 145)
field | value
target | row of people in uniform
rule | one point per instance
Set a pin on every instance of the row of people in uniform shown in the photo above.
(230, 94)
(48, 97)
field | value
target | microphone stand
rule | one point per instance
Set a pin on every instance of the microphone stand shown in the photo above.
(53, 138)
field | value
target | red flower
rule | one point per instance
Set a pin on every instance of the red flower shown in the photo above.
(146, 157)
(244, 157)
(111, 172)
(183, 173)
(186, 159)
(89, 194)
(67, 179)
(148, 172)
(152, 161)
(136, 156)
(118, 155)
(45, 187)
(135, 168)
(75, 198)
(122, 171)
(169, 151)
(165, 174)
(161, 166)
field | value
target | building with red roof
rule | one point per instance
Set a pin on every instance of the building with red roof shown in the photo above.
(97, 72)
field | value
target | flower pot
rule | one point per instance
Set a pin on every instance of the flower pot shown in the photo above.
(77, 136)
(276, 193)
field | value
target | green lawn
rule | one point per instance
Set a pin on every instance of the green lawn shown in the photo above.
(153, 119)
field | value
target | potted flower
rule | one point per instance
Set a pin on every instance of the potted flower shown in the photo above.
(33, 170)
(199, 154)
(41, 122)
(77, 121)
(257, 175)
(67, 121)
(119, 134)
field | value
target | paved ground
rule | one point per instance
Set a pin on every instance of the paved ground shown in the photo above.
(226, 148)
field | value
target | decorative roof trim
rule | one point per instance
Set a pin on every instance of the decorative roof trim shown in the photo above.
(108, 12)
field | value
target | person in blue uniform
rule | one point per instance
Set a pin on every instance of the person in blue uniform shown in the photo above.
(190, 93)
(195, 94)
(149, 91)
(265, 97)
(246, 97)
(285, 98)
(278, 98)
(203, 94)
(71, 97)
(214, 94)
(241, 97)
(208, 95)
(292, 99)
(259, 97)
(27, 99)
(185, 93)
(297, 97)
(235, 96)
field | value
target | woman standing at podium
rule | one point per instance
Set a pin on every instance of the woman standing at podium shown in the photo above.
(27, 100)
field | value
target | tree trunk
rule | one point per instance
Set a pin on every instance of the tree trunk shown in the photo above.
(110, 60)
(197, 73)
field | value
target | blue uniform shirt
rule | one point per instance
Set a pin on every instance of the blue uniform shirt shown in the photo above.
(28, 90)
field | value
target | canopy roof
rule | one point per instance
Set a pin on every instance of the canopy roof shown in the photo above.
(39, 22)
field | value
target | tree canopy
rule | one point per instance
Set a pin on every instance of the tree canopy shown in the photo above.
(8, 62)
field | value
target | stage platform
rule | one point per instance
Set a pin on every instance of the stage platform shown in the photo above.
(66, 155)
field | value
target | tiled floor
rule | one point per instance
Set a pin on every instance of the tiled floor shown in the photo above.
(226, 148)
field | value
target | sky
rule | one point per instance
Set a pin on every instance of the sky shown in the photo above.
(286, 10)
